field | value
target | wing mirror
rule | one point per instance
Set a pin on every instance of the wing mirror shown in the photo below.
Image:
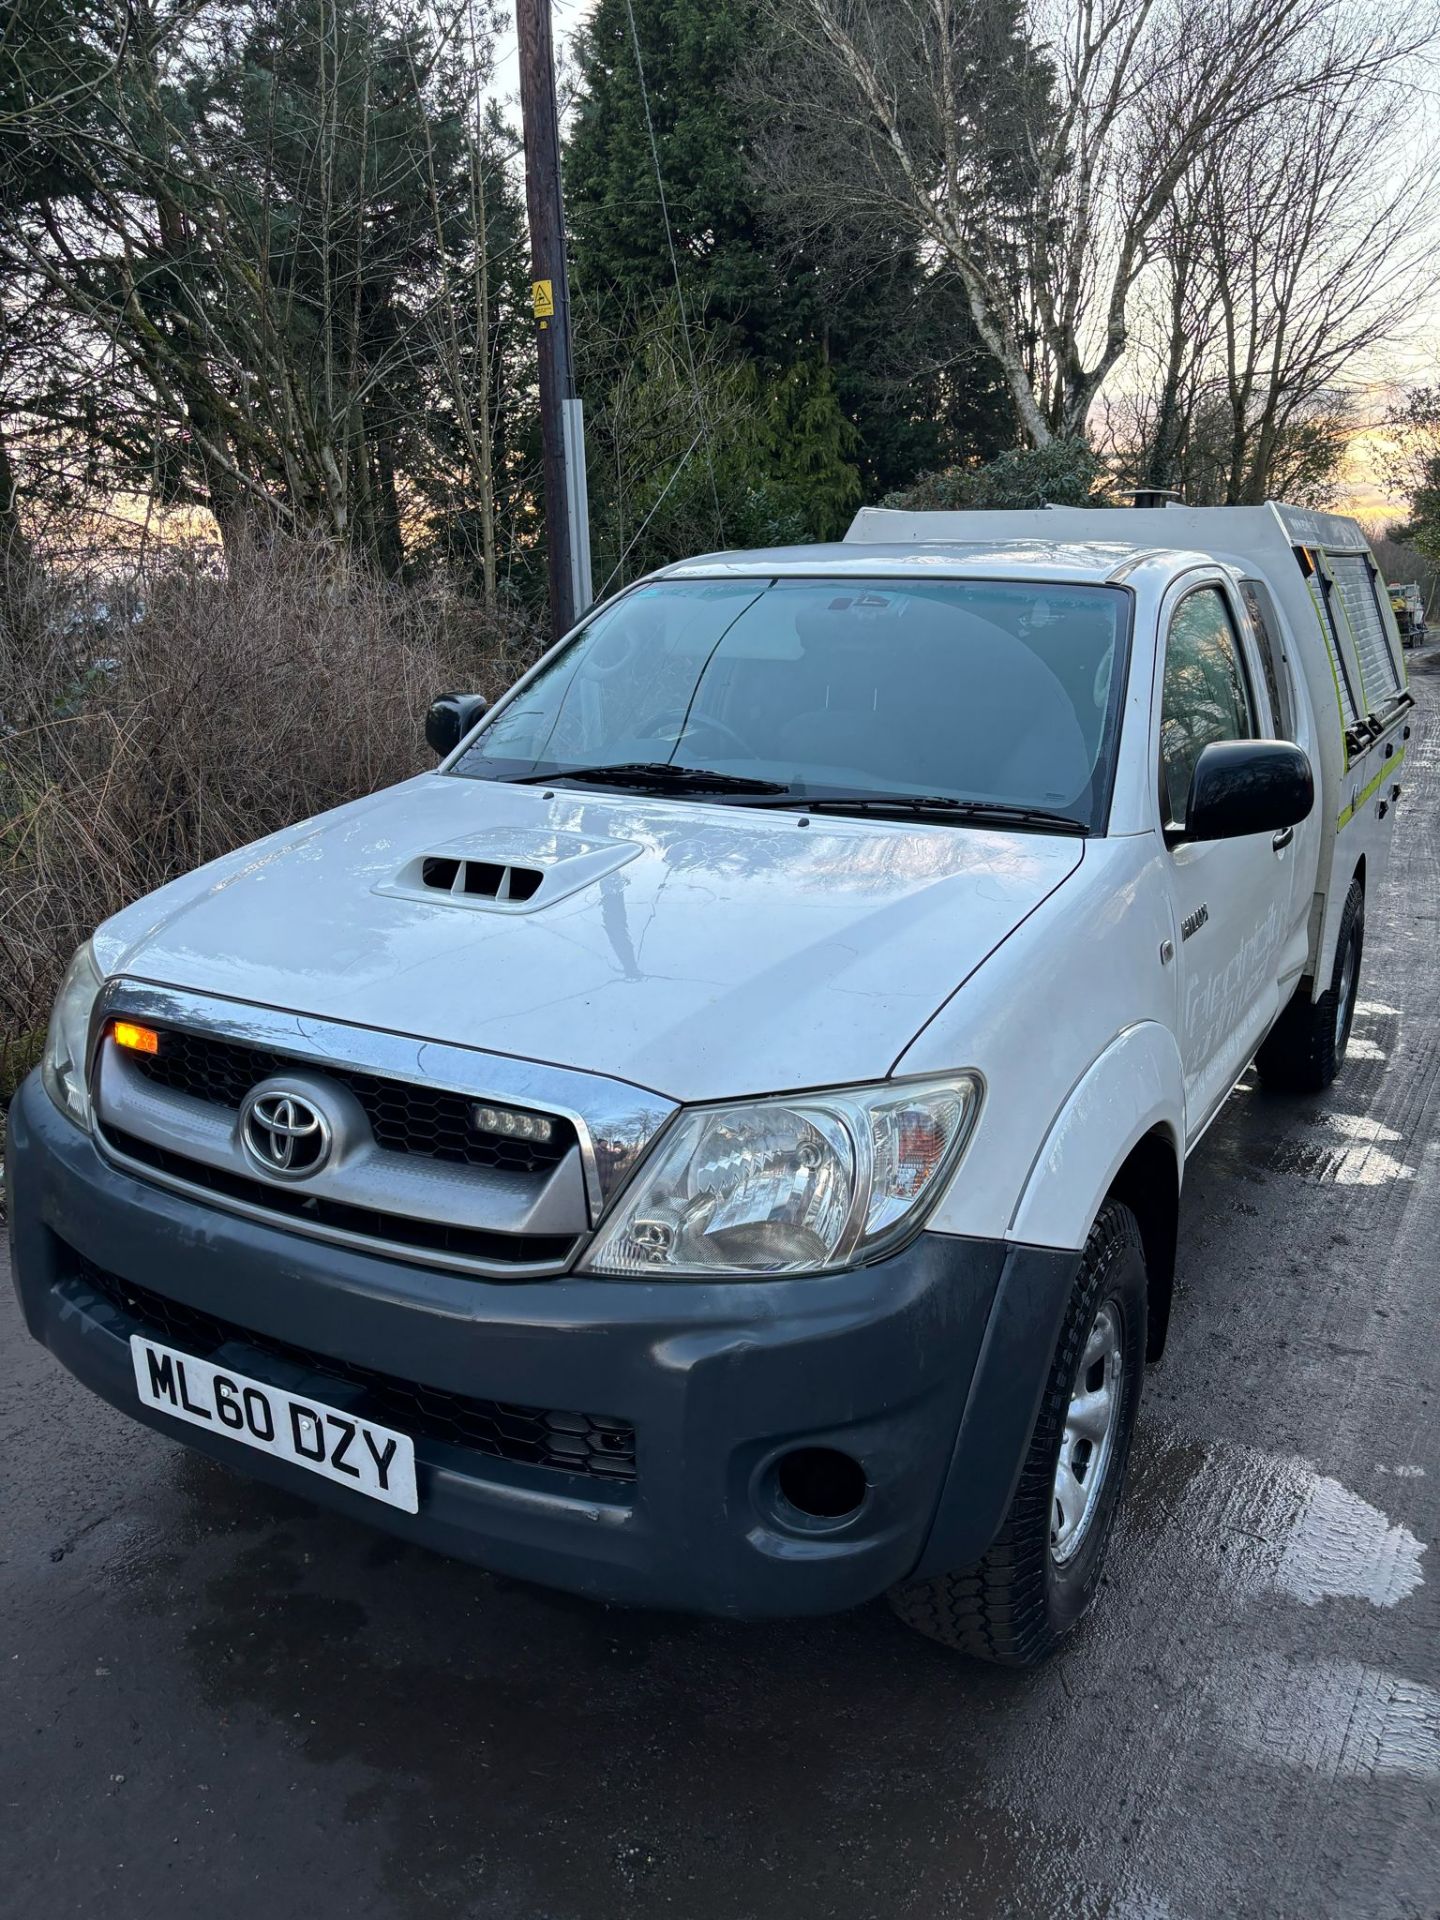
(1248, 786)
(450, 718)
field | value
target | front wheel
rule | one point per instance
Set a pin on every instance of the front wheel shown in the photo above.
(1041, 1576)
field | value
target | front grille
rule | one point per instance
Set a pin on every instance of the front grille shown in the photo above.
(399, 1229)
(583, 1443)
(404, 1118)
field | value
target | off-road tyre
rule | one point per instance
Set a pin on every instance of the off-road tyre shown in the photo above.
(1017, 1606)
(1305, 1049)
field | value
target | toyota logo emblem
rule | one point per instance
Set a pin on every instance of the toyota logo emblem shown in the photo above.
(284, 1133)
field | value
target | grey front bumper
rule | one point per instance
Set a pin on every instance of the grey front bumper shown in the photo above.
(926, 1368)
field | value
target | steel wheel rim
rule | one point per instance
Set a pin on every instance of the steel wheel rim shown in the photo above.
(1349, 971)
(1088, 1442)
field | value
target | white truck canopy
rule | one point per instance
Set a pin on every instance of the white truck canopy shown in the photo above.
(1318, 567)
(1338, 630)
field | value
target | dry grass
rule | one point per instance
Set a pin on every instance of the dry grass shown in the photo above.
(236, 703)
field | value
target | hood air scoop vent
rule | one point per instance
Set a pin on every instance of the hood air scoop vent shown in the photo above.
(509, 871)
(480, 879)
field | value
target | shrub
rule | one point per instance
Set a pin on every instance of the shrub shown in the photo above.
(1063, 474)
(225, 703)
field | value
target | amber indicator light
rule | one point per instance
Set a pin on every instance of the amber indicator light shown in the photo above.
(125, 1033)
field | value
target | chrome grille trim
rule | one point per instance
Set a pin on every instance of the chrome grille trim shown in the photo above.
(614, 1122)
(361, 1174)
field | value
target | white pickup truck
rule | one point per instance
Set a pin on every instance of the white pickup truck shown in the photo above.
(717, 1141)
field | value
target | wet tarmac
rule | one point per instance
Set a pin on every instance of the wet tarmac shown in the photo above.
(215, 1699)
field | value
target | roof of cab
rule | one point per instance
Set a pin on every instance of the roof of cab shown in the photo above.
(1093, 561)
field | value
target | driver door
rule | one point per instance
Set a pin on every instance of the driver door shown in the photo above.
(1227, 897)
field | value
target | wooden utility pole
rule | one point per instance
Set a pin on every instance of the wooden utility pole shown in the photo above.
(566, 531)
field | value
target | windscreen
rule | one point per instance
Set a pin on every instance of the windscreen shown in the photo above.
(985, 691)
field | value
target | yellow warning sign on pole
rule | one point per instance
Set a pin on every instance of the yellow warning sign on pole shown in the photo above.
(542, 298)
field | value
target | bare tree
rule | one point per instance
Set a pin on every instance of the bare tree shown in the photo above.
(1316, 230)
(1287, 257)
(1036, 158)
(1167, 385)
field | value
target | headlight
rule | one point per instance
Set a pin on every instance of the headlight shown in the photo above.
(798, 1185)
(62, 1067)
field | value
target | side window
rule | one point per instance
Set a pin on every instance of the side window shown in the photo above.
(1355, 576)
(1205, 697)
(1272, 658)
(1321, 591)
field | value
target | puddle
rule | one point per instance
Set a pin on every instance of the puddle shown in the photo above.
(1271, 1523)
(1361, 1049)
(1272, 1136)
(1365, 1162)
(1374, 1031)
(1248, 1530)
(1344, 1548)
(1335, 1717)
(1339, 1149)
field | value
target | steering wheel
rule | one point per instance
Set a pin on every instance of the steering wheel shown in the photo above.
(717, 727)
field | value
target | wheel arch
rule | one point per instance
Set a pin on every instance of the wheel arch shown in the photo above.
(1317, 981)
(1117, 1136)
(1149, 1184)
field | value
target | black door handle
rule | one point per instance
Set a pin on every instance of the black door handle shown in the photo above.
(1283, 839)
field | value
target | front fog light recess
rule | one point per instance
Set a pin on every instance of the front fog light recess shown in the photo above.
(62, 1066)
(801, 1185)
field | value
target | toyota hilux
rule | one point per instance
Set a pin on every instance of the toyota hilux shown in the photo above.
(716, 1142)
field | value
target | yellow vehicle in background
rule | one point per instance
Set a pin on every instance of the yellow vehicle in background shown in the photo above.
(1408, 605)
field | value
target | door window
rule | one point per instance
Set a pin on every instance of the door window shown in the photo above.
(1272, 659)
(1205, 695)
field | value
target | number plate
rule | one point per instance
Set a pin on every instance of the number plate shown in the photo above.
(375, 1461)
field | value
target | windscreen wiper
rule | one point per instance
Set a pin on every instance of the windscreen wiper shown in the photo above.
(661, 775)
(940, 806)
